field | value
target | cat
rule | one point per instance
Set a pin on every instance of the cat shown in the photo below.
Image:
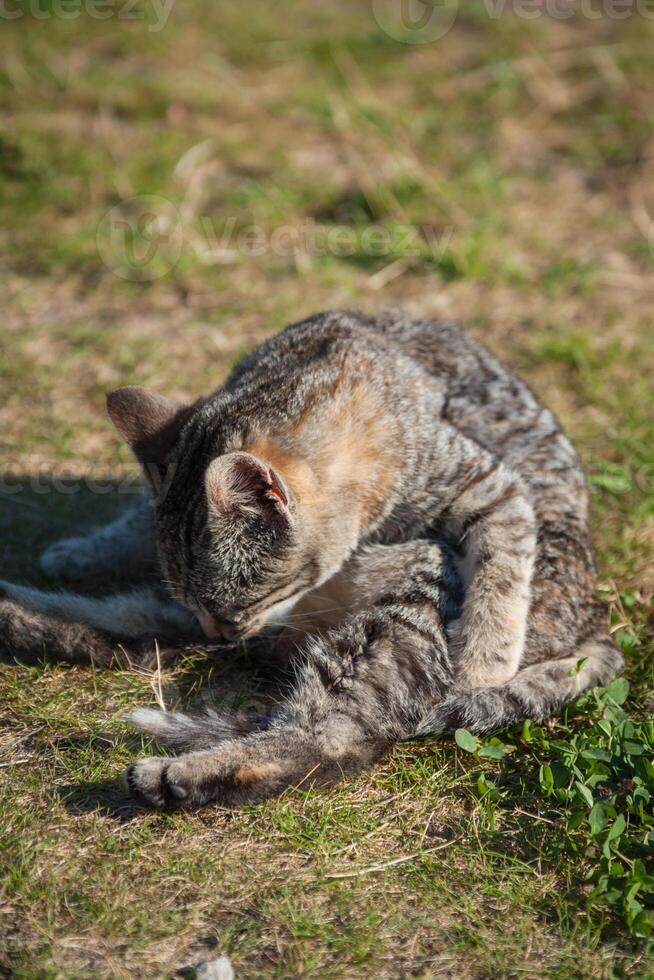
(399, 489)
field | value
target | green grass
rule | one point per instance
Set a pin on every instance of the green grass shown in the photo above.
(516, 154)
(599, 782)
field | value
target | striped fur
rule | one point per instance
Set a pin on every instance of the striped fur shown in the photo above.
(404, 495)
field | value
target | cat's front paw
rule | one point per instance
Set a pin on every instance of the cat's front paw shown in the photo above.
(159, 782)
(69, 559)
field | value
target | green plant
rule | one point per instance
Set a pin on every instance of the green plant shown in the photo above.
(599, 782)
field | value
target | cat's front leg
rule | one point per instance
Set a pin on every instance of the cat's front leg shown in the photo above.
(498, 534)
(113, 631)
(124, 614)
(26, 633)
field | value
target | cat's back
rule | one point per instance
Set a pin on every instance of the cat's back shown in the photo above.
(491, 404)
(482, 397)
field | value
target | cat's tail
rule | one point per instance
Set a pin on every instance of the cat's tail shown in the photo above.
(353, 701)
(187, 733)
(535, 692)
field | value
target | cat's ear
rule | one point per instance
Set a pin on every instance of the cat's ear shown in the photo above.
(149, 422)
(241, 482)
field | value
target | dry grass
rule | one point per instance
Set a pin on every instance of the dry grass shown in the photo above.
(521, 151)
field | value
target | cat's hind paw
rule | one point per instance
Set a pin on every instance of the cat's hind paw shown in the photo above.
(242, 771)
(157, 782)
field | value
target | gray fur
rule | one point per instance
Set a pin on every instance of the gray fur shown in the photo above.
(129, 614)
(412, 503)
(126, 545)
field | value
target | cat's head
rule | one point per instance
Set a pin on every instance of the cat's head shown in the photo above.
(234, 544)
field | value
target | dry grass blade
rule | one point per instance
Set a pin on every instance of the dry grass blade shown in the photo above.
(374, 868)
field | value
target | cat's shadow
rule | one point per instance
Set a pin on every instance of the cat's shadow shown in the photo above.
(107, 798)
(36, 510)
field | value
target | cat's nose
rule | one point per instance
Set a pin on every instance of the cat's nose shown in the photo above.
(217, 629)
(209, 625)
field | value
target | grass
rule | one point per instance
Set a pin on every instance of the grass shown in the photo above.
(500, 176)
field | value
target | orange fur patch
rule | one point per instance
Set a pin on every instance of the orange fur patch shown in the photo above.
(292, 468)
(350, 448)
(247, 775)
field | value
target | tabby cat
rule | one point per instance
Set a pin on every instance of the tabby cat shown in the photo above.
(400, 490)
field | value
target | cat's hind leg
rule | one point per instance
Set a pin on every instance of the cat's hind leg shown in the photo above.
(537, 692)
(354, 698)
(358, 690)
(126, 545)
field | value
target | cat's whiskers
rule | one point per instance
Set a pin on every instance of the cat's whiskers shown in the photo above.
(316, 612)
